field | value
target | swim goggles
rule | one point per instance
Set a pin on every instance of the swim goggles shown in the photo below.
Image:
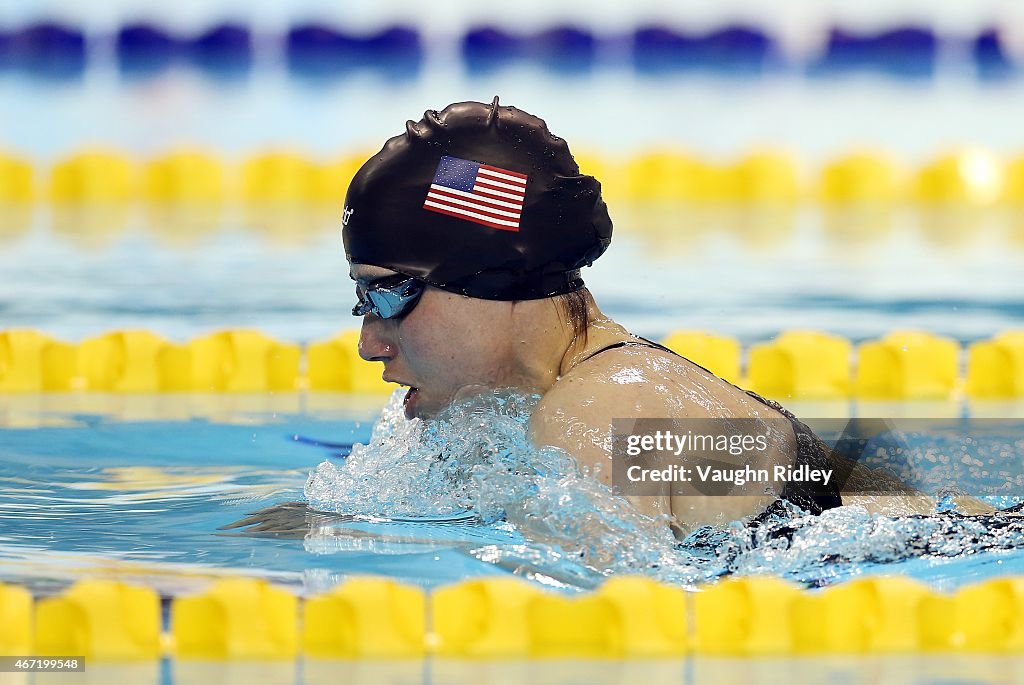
(388, 297)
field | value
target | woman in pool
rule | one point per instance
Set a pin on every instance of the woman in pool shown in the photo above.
(466, 236)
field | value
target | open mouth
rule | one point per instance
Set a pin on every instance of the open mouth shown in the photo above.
(411, 395)
(409, 402)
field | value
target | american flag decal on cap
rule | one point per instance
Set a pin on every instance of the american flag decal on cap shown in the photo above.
(476, 192)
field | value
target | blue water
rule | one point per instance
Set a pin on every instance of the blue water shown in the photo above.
(67, 509)
(667, 269)
(142, 500)
(76, 502)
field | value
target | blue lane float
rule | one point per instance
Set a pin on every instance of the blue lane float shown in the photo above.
(743, 49)
(46, 50)
(990, 59)
(318, 51)
(143, 50)
(224, 51)
(5, 43)
(906, 51)
(487, 47)
(54, 50)
(564, 48)
(560, 49)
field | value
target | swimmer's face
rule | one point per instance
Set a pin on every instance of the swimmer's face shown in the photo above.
(448, 346)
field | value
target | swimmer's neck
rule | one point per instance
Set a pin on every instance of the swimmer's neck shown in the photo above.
(601, 333)
(548, 349)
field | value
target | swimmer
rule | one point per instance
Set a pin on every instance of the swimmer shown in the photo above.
(466, 237)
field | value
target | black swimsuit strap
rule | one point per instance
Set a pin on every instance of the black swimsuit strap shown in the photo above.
(639, 342)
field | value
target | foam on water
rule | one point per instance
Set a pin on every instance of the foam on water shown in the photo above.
(476, 459)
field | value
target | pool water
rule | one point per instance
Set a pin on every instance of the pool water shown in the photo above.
(139, 485)
(746, 274)
(142, 500)
(94, 493)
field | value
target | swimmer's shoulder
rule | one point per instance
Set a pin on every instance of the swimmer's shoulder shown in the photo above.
(617, 384)
(577, 414)
(639, 381)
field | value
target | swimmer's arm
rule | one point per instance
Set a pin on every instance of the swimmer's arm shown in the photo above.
(572, 419)
(577, 413)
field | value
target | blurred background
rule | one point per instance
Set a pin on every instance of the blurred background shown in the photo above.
(821, 200)
(847, 167)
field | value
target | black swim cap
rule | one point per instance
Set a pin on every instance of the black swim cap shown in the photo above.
(480, 200)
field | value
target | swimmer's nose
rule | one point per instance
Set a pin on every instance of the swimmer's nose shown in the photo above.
(374, 344)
